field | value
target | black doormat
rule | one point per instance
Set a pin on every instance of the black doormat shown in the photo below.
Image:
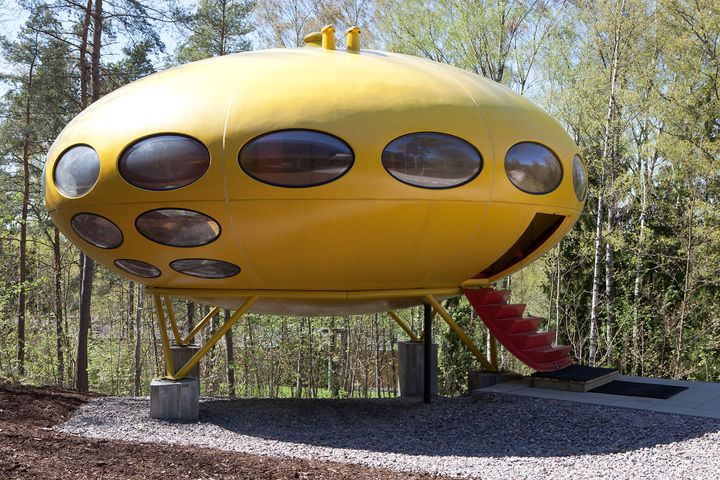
(635, 389)
(575, 373)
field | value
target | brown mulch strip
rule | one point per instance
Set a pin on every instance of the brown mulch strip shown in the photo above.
(29, 448)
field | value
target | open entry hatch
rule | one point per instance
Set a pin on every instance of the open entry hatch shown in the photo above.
(542, 227)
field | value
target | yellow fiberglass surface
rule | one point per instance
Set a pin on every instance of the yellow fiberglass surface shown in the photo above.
(313, 170)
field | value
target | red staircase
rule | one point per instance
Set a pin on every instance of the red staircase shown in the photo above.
(517, 333)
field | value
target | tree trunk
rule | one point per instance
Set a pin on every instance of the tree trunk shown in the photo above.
(23, 267)
(609, 290)
(96, 44)
(190, 313)
(312, 387)
(376, 328)
(557, 293)
(607, 144)
(87, 263)
(57, 264)
(298, 366)
(686, 287)
(82, 60)
(86, 281)
(230, 358)
(138, 339)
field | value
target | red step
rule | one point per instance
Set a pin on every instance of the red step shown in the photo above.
(519, 324)
(533, 339)
(517, 333)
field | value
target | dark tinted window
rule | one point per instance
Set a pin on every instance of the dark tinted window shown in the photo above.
(432, 160)
(164, 162)
(77, 170)
(177, 227)
(205, 268)
(138, 268)
(296, 158)
(579, 178)
(97, 230)
(533, 168)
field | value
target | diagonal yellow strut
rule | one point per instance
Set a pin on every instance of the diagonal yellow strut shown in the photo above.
(215, 338)
(460, 333)
(200, 325)
(404, 326)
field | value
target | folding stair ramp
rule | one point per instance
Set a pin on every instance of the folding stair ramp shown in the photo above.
(518, 334)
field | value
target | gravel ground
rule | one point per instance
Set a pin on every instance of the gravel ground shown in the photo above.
(491, 436)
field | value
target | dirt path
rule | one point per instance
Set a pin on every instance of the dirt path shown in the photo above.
(29, 448)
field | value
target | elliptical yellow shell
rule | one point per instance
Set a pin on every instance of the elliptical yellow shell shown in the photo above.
(319, 247)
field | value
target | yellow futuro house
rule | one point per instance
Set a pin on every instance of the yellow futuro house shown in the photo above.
(332, 181)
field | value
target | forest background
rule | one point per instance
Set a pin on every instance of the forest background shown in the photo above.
(635, 285)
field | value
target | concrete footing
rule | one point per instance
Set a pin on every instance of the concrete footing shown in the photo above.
(410, 369)
(181, 354)
(175, 399)
(483, 378)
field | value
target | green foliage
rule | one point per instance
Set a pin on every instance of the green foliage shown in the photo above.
(217, 27)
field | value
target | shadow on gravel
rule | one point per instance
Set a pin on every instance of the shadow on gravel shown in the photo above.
(493, 426)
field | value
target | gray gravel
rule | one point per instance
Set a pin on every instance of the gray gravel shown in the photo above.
(491, 436)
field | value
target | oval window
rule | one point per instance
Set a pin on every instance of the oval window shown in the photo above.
(164, 162)
(97, 230)
(579, 178)
(432, 160)
(296, 158)
(137, 268)
(533, 168)
(177, 227)
(205, 268)
(77, 170)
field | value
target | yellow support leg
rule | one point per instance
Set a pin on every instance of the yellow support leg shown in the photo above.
(460, 333)
(165, 340)
(493, 351)
(173, 322)
(200, 325)
(404, 326)
(215, 338)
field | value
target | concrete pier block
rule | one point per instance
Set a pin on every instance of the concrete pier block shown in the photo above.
(483, 378)
(175, 399)
(410, 369)
(180, 356)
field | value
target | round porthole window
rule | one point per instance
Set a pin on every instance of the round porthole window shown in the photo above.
(579, 178)
(77, 170)
(177, 227)
(137, 268)
(432, 160)
(97, 230)
(296, 158)
(205, 268)
(533, 168)
(164, 162)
